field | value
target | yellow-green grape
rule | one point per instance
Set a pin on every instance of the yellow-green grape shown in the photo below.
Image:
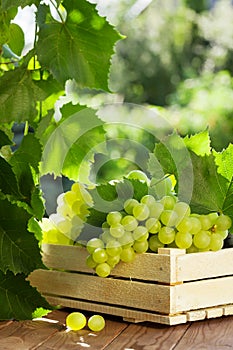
(117, 230)
(169, 218)
(223, 222)
(156, 210)
(183, 240)
(76, 321)
(90, 262)
(138, 175)
(182, 209)
(96, 323)
(153, 225)
(192, 249)
(224, 233)
(168, 202)
(129, 222)
(206, 222)
(202, 239)
(216, 242)
(141, 211)
(140, 233)
(113, 248)
(112, 261)
(185, 225)
(127, 254)
(113, 218)
(148, 199)
(126, 240)
(140, 246)
(195, 225)
(105, 236)
(94, 243)
(103, 269)
(129, 204)
(166, 235)
(154, 243)
(213, 217)
(99, 255)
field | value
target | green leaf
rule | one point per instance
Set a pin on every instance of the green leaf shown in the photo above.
(16, 38)
(199, 143)
(19, 248)
(224, 162)
(210, 189)
(6, 15)
(25, 163)
(80, 48)
(8, 181)
(172, 157)
(4, 139)
(7, 4)
(18, 299)
(18, 96)
(71, 146)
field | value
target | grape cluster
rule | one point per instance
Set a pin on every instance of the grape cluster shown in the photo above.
(64, 226)
(148, 224)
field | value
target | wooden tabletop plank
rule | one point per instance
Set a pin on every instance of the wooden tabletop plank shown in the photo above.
(84, 338)
(148, 337)
(209, 335)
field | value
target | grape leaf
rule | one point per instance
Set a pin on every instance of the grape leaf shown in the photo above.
(25, 164)
(224, 162)
(79, 48)
(18, 96)
(199, 143)
(16, 38)
(7, 4)
(18, 299)
(172, 156)
(19, 248)
(8, 181)
(72, 144)
(210, 189)
(6, 15)
(4, 139)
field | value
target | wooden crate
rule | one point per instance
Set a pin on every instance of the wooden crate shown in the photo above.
(170, 287)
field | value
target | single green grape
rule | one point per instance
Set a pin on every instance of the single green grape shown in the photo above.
(94, 243)
(126, 240)
(216, 242)
(182, 209)
(90, 262)
(76, 321)
(206, 222)
(154, 243)
(148, 199)
(195, 225)
(127, 254)
(99, 255)
(223, 222)
(129, 204)
(153, 225)
(202, 239)
(223, 233)
(185, 225)
(169, 218)
(117, 230)
(168, 202)
(156, 210)
(140, 233)
(129, 222)
(183, 240)
(113, 248)
(96, 323)
(140, 246)
(103, 269)
(106, 236)
(138, 175)
(112, 261)
(141, 211)
(166, 235)
(114, 217)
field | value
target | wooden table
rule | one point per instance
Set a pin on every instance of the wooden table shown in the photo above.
(50, 333)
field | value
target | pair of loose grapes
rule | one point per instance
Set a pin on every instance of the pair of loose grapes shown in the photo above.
(77, 321)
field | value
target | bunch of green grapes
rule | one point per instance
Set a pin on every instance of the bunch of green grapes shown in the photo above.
(64, 226)
(149, 224)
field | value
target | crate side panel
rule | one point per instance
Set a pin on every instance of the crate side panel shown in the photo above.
(150, 267)
(197, 266)
(202, 294)
(128, 293)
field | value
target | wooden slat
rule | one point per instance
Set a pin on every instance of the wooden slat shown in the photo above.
(141, 295)
(127, 314)
(197, 266)
(202, 294)
(150, 267)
